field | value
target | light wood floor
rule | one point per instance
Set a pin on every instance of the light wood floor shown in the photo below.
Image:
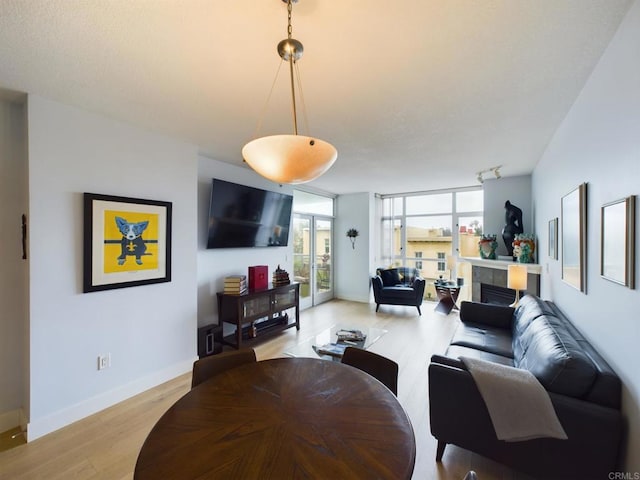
(106, 445)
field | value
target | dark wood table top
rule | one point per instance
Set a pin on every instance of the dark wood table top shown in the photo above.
(282, 418)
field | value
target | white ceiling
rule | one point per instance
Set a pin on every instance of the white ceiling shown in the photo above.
(415, 95)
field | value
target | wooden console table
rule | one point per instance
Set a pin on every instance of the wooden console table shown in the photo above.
(259, 312)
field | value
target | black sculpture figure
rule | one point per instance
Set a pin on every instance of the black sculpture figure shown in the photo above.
(513, 219)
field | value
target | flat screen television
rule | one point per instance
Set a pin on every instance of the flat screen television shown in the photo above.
(241, 216)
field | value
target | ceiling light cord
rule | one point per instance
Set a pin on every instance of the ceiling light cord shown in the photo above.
(266, 104)
(291, 60)
(305, 118)
(293, 95)
(289, 14)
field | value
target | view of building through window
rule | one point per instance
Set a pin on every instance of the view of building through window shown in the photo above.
(432, 232)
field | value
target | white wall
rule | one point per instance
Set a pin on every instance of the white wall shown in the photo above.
(149, 330)
(14, 270)
(353, 265)
(215, 264)
(599, 143)
(496, 192)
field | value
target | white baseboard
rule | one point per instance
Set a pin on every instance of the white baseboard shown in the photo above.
(353, 298)
(41, 426)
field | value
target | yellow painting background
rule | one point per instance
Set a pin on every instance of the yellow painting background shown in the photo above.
(112, 250)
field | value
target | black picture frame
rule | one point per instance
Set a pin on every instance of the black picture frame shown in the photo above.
(127, 242)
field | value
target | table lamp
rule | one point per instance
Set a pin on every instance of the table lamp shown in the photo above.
(517, 280)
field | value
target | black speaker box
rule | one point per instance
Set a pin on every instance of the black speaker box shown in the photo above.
(209, 340)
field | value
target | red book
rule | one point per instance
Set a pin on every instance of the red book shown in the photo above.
(258, 277)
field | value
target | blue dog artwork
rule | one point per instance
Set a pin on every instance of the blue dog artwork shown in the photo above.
(132, 244)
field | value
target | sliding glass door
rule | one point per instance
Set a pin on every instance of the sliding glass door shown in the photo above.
(323, 239)
(312, 258)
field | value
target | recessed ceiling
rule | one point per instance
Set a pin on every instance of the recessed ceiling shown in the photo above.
(415, 95)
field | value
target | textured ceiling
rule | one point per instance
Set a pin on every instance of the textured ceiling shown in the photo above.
(415, 95)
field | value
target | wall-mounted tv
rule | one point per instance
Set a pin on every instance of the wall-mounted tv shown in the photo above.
(241, 216)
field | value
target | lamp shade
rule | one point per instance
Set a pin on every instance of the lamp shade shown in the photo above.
(289, 158)
(517, 277)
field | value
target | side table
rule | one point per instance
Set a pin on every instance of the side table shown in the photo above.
(447, 296)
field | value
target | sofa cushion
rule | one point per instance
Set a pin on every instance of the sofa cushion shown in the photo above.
(488, 339)
(552, 354)
(529, 308)
(399, 292)
(457, 351)
(390, 277)
(487, 314)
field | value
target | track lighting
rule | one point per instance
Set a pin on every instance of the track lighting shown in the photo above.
(494, 170)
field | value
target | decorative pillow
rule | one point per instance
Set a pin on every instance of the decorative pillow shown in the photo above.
(390, 277)
(407, 275)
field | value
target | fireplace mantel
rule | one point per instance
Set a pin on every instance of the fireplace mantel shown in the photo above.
(494, 272)
(501, 264)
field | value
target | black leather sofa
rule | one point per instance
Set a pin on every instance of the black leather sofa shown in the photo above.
(584, 390)
(398, 286)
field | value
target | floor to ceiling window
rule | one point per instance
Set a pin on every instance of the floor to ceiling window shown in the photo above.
(313, 247)
(431, 231)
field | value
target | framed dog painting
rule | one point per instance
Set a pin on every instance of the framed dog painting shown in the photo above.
(127, 242)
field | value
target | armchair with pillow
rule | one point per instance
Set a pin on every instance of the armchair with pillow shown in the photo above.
(398, 286)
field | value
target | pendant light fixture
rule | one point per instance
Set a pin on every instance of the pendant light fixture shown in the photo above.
(290, 158)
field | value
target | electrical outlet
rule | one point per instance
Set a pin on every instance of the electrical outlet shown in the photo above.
(104, 361)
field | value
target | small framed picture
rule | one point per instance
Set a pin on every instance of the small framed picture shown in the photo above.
(617, 237)
(553, 238)
(127, 242)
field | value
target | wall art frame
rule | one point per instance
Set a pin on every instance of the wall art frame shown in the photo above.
(574, 237)
(617, 241)
(553, 238)
(127, 242)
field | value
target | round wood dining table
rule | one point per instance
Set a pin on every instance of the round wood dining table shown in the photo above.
(279, 419)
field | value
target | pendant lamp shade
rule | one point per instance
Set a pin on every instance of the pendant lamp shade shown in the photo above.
(289, 158)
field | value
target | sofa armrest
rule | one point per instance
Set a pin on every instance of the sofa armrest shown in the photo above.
(418, 287)
(500, 316)
(376, 283)
(448, 361)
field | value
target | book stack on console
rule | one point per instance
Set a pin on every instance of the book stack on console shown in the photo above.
(280, 277)
(235, 284)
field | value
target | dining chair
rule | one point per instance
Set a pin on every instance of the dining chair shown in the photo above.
(207, 367)
(377, 366)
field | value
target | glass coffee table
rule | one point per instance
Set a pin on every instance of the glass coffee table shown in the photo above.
(327, 344)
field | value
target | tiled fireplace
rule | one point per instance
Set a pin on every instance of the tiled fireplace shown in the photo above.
(489, 280)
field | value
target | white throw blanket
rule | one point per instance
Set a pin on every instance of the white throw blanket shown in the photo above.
(519, 406)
